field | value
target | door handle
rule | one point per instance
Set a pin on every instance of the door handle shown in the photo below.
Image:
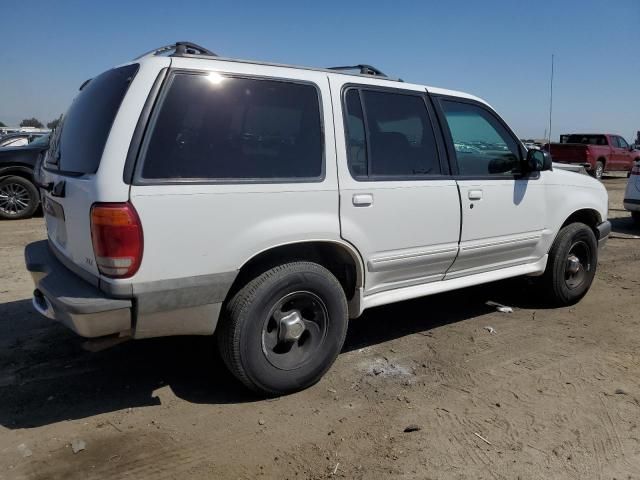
(362, 199)
(475, 194)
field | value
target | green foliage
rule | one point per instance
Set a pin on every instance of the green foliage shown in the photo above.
(53, 123)
(31, 122)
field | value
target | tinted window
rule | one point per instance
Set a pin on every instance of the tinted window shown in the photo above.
(79, 141)
(214, 127)
(482, 145)
(622, 143)
(356, 141)
(399, 135)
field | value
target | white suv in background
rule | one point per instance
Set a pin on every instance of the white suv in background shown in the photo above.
(187, 194)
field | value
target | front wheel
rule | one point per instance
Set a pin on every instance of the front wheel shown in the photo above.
(636, 217)
(571, 266)
(283, 330)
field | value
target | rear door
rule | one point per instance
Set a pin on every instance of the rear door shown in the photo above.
(87, 154)
(504, 213)
(398, 204)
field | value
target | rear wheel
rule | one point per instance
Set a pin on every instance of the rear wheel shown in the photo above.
(598, 170)
(571, 266)
(18, 198)
(636, 217)
(283, 330)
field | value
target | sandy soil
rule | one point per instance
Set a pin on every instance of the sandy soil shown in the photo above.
(553, 393)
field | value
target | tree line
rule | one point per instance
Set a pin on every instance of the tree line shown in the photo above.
(34, 122)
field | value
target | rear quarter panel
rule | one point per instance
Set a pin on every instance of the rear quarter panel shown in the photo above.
(199, 229)
(72, 238)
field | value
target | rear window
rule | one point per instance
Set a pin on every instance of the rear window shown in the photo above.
(214, 127)
(79, 140)
(587, 139)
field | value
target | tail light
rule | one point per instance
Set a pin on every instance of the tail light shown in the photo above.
(636, 169)
(116, 233)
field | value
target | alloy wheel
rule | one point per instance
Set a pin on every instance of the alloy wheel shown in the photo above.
(14, 199)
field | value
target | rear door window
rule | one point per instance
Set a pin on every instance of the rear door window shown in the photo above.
(224, 128)
(392, 137)
(79, 140)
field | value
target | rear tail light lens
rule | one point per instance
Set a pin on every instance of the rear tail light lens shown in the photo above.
(116, 233)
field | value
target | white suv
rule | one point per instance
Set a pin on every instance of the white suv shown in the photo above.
(187, 194)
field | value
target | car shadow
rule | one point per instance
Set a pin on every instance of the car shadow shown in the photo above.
(47, 377)
(624, 225)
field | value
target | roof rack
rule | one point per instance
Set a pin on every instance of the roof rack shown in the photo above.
(179, 49)
(364, 70)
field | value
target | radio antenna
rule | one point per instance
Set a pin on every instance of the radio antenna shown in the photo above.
(551, 99)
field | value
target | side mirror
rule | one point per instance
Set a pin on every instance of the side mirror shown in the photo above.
(538, 160)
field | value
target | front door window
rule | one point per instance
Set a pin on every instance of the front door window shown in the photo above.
(483, 146)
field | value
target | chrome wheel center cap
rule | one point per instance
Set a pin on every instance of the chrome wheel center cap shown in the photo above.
(291, 327)
(573, 264)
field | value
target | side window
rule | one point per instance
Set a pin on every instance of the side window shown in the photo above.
(356, 140)
(227, 128)
(398, 140)
(482, 145)
(622, 143)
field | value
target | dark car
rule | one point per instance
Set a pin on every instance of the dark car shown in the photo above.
(19, 197)
(19, 139)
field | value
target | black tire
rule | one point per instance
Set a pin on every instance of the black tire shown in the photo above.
(598, 170)
(19, 198)
(636, 217)
(563, 286)
(246, 335)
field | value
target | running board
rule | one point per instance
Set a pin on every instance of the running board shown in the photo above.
(417, 291)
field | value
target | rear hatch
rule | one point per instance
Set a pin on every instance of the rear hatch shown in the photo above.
(569, 152)
(70, 166)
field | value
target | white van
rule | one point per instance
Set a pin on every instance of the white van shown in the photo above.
(187, 194)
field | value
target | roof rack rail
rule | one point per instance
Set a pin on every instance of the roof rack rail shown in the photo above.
(179, 49)
(364, 70)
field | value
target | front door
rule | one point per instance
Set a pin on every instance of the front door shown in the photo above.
(503, 211)
(398, 203)
(620, 153)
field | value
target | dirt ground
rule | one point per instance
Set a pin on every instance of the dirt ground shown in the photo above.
(552, 393)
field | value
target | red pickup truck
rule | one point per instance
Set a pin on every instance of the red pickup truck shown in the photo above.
(598, 153)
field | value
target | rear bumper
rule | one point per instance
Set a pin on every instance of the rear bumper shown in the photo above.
(604, 229)
(184, 306)
(63, 296)
(631, 204)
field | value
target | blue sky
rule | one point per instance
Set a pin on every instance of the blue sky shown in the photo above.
(497, 49)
